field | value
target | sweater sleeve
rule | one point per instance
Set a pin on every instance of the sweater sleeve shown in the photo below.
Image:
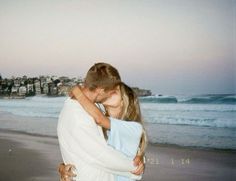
(82, 140)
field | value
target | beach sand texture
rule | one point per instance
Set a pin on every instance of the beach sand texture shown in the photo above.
(32, 157)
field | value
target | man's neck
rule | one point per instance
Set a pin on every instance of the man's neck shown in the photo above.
(89, 94)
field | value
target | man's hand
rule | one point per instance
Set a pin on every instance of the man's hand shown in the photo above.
(139, 161)
(66, 172)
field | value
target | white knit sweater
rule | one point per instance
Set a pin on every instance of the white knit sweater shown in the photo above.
(82, 143)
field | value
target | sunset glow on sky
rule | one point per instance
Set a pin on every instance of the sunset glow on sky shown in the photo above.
(168, 46)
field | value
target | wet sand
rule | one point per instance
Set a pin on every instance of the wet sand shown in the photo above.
(26, 157)
(33, 157)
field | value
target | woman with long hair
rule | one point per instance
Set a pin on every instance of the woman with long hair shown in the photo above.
(121, 121)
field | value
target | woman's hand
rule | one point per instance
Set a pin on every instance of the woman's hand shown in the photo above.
(66, 172)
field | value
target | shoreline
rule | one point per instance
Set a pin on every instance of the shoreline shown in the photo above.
(6, 117)
(149, 143)
(36, 157)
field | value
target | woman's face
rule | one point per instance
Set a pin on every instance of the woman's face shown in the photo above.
(113, 104)
(114, 100)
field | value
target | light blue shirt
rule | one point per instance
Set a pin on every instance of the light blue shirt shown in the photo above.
(125, 137)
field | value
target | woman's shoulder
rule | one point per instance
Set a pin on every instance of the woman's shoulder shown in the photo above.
(123, 125)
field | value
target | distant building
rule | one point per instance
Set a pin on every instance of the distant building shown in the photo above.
(43, 80)
(52, 89)
(4, 87)
(50, 85)
(63, 89)
(37, 87)
(22, 91)
(14, 91)
(45, 88)
(48, 79)
(17, 82)
(30, 89)
(1, 88)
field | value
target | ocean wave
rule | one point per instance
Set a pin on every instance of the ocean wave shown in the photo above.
(153, 99)
(178, 114)
(197, 99)
(207, 122)
(37, 106)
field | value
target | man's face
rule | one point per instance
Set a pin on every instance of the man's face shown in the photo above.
(110, 98)
(103, 95)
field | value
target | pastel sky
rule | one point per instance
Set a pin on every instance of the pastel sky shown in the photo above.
(168, 46)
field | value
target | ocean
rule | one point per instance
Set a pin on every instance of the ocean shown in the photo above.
(202, 121)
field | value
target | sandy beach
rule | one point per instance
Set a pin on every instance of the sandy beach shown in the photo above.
(28, 157)
(33, 157)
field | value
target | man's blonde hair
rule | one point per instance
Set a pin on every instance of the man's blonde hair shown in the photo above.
(102, 75)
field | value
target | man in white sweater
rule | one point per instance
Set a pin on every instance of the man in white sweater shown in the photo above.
(82, 141)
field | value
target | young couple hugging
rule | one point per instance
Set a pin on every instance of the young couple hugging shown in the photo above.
(100, 130)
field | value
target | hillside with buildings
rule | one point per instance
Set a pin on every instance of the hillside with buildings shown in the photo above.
(21, 87)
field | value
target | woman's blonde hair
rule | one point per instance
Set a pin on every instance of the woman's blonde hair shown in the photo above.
(131, 112)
